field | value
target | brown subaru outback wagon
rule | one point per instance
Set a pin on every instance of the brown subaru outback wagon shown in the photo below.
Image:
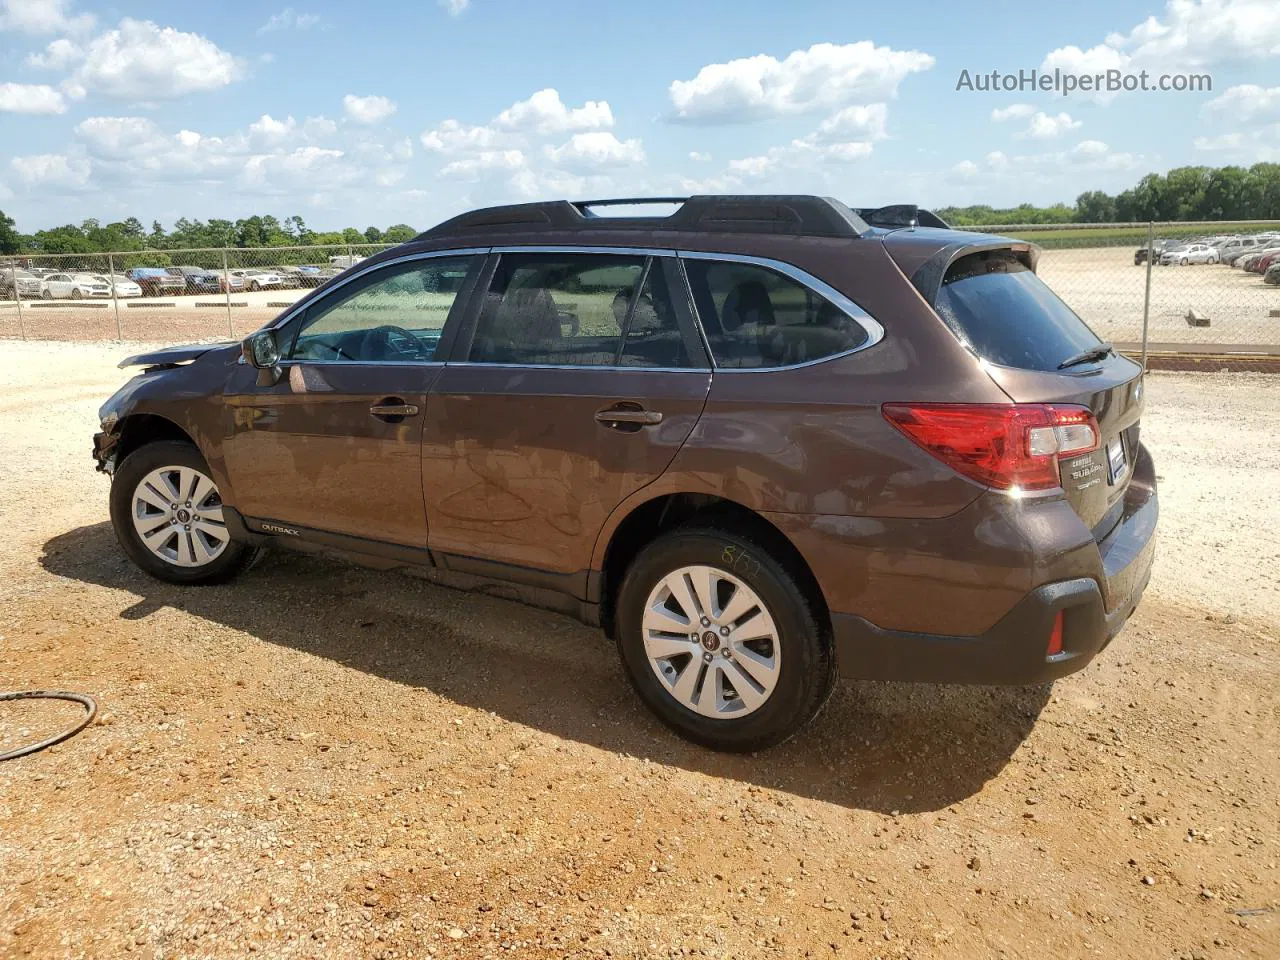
(761, 441)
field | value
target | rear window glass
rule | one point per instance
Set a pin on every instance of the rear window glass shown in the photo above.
(1005, 314)
(755, 317)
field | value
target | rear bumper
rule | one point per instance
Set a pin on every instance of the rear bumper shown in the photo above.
(1011, 652)
(1015, 649)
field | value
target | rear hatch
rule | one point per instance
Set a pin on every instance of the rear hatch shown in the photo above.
(1037, 350)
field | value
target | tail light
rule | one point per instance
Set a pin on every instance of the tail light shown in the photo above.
(1006, 446)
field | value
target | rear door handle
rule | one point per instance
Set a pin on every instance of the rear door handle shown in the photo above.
(629, 415)
(393, 410)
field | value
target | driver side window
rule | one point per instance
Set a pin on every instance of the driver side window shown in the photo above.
(392, 315)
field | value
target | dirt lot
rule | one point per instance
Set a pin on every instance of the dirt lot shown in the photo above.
(322, 761)
(1101, 284)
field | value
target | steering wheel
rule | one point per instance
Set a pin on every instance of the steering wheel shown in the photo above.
(409, 344)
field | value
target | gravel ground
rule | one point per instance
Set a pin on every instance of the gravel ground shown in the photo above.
(324, 761)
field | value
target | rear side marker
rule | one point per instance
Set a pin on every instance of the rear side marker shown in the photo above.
(1055, 636)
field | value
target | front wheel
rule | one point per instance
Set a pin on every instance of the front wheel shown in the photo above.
(255, 286)
(721, 642)
(167, 514)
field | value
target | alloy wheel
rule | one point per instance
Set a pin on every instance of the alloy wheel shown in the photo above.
(712, 642)
(177, 513)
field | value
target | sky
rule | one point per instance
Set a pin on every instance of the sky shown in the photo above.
(388, 111)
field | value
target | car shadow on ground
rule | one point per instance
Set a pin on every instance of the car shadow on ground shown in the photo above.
(877, 746)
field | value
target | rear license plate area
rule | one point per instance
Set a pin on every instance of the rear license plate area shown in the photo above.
(1115, 460)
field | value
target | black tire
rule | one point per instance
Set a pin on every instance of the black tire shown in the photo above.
(46, 295)
(807, 671)
(255, 286)
(153, 456)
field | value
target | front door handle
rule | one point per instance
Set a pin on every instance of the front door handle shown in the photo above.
(631, 414)
(393, 410)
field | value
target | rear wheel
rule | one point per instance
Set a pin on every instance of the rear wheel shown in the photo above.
(167, 514)
(721, 642)
(46, 295)
(255, 286)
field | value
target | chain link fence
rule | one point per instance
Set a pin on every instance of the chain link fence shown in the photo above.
(162, 295)
(1209, 288)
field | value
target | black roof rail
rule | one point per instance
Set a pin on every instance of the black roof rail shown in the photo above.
(797, 215)
(901, 215)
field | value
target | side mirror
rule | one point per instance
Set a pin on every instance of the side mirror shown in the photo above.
(261, 350)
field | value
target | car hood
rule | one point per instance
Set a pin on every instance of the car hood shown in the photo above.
(167, 356)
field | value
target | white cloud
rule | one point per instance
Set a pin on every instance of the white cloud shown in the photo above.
(487, 161)
(42, 17)
(52, 169)
(1046, 127)
(545, 113)
(699, 157)
(593, 151)
(317, 127)
(269, 129)
(367, 109)
(1245, 103)
(454, 137)
(1227, 141)
(1015, 111)
(142, 61)
(854, 123)
(823, 77)
(1190, 34)
(455, 7)
(30, 98)
(58, 55)
(1058, 167)
(289, 19)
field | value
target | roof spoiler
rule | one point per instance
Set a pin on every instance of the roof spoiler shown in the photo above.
(788, 214)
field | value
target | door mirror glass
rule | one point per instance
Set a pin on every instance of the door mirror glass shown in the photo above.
(261, 350)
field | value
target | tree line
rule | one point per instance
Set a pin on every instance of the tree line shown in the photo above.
(1184, 193)
(130, 235)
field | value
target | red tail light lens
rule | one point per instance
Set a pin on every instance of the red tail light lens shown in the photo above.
(1006, 446)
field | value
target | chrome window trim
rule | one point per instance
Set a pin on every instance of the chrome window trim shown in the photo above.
(875, 332)
(575, 366)
(293, 311)
(360, 363)
(607, 251)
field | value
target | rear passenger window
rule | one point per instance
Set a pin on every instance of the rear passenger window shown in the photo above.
(578, 310)
(755, 317)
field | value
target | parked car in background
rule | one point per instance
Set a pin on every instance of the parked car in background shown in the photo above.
(708, 446)
(198, 279)
(78, 286)
(26, 282)
(258, 279)
(1142, 253)
(1258, 261)
(157, 282)
(310, 275)
(1189, 253)
(290, 277)
(1265, 261)
(1273, 273)
(124, 287)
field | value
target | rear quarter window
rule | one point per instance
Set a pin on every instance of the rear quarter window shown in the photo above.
(997, 306)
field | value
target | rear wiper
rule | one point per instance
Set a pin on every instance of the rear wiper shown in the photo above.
(1087, 356)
